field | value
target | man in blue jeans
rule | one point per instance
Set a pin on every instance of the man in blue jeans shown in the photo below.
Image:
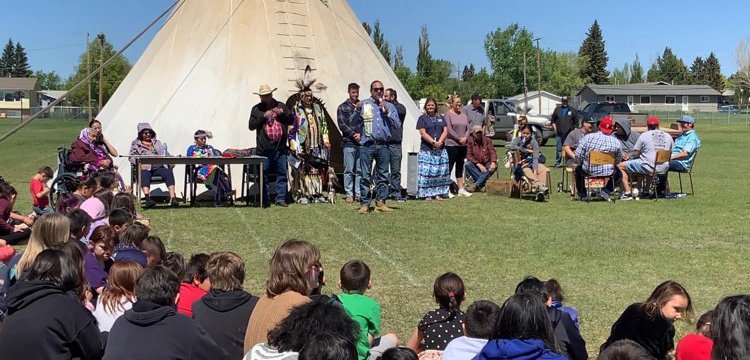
(375, 118)
(394, 146)
(564, 120)
(350, 135)
(481, 158)
(270, 118)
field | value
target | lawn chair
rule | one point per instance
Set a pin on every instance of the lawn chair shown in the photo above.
(689, 173)
(599, 182)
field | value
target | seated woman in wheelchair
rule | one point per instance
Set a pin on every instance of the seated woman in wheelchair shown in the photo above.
(93, 150)
(531, 162)
(146, 144)
(211, 175)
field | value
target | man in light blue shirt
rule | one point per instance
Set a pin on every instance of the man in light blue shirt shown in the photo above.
(377, 117)
(685, 146)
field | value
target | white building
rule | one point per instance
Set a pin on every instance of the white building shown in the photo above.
(549, 102)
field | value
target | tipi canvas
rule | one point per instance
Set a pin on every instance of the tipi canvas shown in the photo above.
(201, 69)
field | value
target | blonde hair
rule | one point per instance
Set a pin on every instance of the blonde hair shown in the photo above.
(50, 230)
(452, 98)
(226, 270)
(288, 267)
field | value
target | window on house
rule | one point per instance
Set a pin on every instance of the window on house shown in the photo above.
(609, 98)
(645, 99)
(705, 99)
(670, 100)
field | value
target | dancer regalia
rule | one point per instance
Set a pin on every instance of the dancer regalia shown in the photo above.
(309, 145)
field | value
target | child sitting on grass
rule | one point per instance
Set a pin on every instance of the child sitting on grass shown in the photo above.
(480, 323)
(128, 248)
(438, 327)
(697, 346)
(555, 292)
(120, 220)
(119, 295)
(195, 283)
(99, 251)
(354, 281)
(155, 251)
(40, 191)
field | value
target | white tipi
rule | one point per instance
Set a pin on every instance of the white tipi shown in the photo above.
(201, 69)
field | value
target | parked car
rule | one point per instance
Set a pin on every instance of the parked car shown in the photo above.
(729, 109)
(505, 116)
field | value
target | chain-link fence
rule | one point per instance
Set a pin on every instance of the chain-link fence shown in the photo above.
(733, 117)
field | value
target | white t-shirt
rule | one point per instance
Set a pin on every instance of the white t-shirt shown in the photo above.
(105, 318)
(647, 145)
(463, 348)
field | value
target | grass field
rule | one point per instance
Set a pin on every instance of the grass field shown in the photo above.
(606, 256)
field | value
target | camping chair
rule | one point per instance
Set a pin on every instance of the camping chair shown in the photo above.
(191, 180)
(662, 156)
(689, 173)
(599, 182)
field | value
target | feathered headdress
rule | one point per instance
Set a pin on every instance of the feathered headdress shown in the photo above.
(306, 82)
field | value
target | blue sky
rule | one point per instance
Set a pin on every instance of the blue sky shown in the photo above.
(54, 31)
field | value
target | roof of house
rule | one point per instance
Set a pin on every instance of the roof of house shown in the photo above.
(17, 83)
(534, 95)
(55, 94)
(659, 88)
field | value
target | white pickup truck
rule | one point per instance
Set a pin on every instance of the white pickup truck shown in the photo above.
(505, 116)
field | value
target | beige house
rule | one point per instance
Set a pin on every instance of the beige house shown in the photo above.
(650, 97)
(17, 97)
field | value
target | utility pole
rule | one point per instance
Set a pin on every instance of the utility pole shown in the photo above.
(525, 86)
(539, 73)
(88, 72)
(101, 71)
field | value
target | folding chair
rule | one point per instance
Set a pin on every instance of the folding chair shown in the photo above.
(135, 179)
(599, 158)
(191, 180)
(568, 174)
(689, 173)
(662, 156)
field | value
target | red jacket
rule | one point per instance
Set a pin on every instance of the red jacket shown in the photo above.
(82, 153)
(481, 153)
(694, 347)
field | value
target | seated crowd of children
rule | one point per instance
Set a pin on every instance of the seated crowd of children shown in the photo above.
(94, 283)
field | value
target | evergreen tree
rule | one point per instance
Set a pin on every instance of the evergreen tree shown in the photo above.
(379, 39)
(698, 72)
(21, 66)
(468, 72)
(713, 73)
(654, 74)
(398, 58)
(672, 69)
(367, 27)
(636, 71)
(593, 51)
(8, 60)
(424, 59)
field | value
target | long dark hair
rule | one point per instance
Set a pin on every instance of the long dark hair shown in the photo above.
(57, 266)
(730, 330)
(524, 316)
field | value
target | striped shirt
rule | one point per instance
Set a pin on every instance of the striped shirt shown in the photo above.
(598, 142)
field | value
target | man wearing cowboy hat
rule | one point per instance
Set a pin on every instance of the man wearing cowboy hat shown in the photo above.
(270, 118)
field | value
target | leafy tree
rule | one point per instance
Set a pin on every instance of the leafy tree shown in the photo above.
(561, 72)
(424, 59)
(114, 73)
(8, 60)
(593, 51)
(379, 39)
(21, 66)
(620, 76)
(48, 80)
(505, 50)
(636, 71)
(714, 78)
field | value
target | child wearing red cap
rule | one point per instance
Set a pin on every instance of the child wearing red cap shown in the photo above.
(697, 346)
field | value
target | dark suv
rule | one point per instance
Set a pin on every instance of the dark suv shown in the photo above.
(598, 110)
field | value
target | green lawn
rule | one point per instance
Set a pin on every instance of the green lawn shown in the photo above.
(606, 256)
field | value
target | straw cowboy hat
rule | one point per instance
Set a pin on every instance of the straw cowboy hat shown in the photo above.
(265, 90)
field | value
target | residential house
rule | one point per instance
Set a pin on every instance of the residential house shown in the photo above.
(18, 96)
(549, 102)
(652, 97)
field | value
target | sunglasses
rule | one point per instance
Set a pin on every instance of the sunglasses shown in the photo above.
(200, 138)
(377, 89)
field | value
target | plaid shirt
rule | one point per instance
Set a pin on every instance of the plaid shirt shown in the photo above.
(598, 142)
(273, 129)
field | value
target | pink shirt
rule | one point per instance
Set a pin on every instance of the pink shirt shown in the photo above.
(458, 127)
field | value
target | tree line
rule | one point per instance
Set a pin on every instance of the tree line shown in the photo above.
(561, 72)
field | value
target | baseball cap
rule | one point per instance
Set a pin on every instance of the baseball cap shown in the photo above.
(591, 121)
(605, 125)
(687, 119)
(652, 120)
(564, 98)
